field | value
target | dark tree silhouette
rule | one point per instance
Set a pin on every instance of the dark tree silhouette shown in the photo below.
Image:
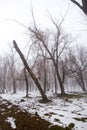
(83, 7)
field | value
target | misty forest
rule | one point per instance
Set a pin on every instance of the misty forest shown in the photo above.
(44, 86)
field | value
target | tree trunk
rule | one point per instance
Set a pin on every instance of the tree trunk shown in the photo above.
(80, 81)
(45, 76)
(26, 81)
(44, 97)
(83, 84)
(4, 85)
(59, 78)
(14, 85)
(55, 83)
(60, 83)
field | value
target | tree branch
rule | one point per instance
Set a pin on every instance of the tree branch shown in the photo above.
(76, 3)
(81, 7)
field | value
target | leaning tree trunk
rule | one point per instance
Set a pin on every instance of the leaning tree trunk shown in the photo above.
(44, 97)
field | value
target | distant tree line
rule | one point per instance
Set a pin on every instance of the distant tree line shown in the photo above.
(54, 66)
(72, 67)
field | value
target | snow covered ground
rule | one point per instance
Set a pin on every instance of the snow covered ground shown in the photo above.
(60, 111)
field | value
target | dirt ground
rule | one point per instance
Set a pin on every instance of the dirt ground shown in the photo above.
(23, 119)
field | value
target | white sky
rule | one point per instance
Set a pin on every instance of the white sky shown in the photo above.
(21, 10)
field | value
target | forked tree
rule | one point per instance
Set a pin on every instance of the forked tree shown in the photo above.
(54, 43)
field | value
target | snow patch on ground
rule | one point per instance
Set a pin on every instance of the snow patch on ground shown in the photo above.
(11, 120)
(58, 112)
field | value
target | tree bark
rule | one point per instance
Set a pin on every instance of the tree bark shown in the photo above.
(45, 75)
(59, 78)
(44, 97)
(55, 80)
(26, 81)
(60, 83)
(14, 85)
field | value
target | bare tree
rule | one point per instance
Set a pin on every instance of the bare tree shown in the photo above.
(64, 69)
(3, 74)
(54, 44)
(12, 68)
(78, 66)
(44, 97)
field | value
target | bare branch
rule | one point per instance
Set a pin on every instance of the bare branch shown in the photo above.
(84, 7)
(76, 3)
